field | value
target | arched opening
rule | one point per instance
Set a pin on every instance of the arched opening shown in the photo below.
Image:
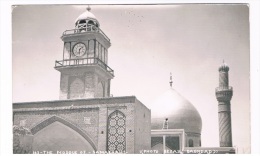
(191, 143)
(91, 26)
(116, 137)
(58, 136)
(90, 22)
(82, 24)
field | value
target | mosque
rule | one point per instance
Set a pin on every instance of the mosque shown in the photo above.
(87, 119)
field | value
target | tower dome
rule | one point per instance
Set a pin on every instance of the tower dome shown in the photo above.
(86, 18)
(181, 114)
(86, 15)
(224, 67)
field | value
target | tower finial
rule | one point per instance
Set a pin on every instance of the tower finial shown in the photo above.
(171, 79)
(223, 61)
(88, 8)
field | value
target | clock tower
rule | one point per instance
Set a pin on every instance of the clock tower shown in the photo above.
(84, 70)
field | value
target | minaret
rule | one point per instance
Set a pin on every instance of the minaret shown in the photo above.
(224, 94)
(84, 68)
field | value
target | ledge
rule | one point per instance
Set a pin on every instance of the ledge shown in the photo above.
(74, 103)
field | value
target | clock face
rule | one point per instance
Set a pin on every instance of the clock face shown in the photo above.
(79, 49)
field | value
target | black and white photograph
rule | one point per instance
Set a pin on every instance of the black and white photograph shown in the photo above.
(131, 78)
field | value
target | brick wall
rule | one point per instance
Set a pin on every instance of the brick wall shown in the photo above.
(75, 116)
(90, 116)
(142, 127)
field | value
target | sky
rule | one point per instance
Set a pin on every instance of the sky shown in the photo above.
(148, 42)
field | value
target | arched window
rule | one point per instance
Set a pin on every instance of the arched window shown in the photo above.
(82, 25)
(116, 140)
(191, 143)
(91, 23)
(82, 22)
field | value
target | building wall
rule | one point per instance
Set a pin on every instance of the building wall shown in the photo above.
(196, 138)
(58, 138)
(90, 84)
(83, 84)
(142, 127)
(90, 117)
(64, 80)
(102, 137)
(75, 116)
(128, 111)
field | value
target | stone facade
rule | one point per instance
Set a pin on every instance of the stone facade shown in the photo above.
(89, 118)
(84, 82)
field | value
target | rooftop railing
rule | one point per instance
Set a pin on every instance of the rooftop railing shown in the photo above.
(85, 30)
(83, 61)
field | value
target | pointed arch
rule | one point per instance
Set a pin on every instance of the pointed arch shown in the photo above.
(53, 119)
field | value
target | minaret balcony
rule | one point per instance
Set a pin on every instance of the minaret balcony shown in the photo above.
(84, 30)
(224, 93)
(83, 62)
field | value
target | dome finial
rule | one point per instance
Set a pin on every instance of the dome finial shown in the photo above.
(171, 79)
(88, 8)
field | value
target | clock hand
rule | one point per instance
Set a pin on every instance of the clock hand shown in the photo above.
(80, 49)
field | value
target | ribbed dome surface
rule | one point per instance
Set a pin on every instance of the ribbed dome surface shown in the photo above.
(180, 112)
(87, 14)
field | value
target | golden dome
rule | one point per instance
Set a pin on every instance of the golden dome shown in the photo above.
(180, 112)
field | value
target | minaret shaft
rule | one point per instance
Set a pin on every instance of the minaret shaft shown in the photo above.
(224, 94)
(223, 79)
